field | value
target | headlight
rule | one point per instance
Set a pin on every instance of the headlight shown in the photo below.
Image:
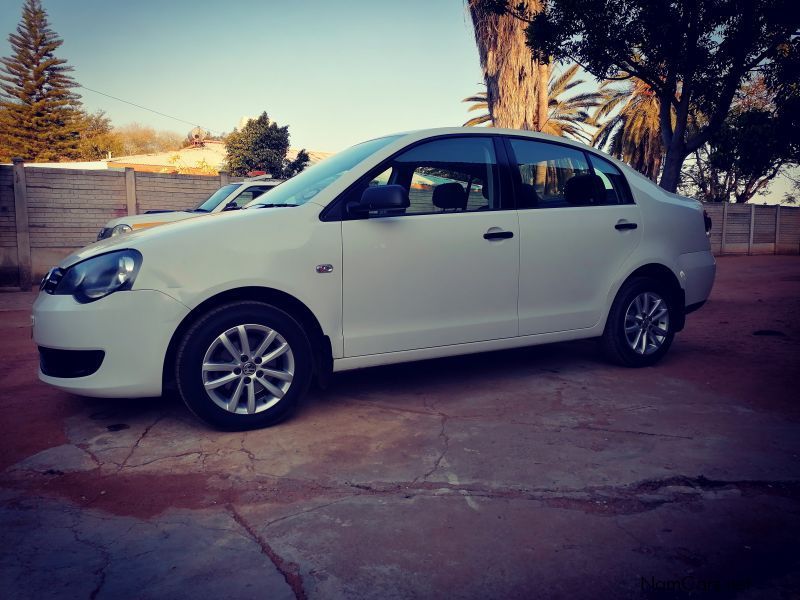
(121, 228)
(100, 276)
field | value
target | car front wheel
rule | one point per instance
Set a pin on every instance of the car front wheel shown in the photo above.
(244, 365)
(639, 329)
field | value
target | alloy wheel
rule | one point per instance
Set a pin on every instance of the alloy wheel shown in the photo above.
(248, 369)
(647, 323)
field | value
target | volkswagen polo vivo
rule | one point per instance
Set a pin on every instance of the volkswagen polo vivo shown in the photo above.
(407, 247)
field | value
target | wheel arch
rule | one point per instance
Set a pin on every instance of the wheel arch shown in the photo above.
(666, 276)
(320, 343)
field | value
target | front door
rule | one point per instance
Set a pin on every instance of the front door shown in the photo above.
(445, 270)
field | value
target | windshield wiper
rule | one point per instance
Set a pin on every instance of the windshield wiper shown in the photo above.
(271, 205)
(196, 210)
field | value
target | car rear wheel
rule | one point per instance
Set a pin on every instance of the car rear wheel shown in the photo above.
(244, 365)
(639, 329)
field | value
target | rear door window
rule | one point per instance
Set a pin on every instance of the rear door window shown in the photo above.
(617, 191)
(557, 176)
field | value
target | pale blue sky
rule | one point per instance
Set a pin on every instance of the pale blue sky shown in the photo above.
(335, 72)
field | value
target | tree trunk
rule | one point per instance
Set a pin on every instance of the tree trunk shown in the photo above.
(673, 162)
(509, 71)
(542, 96)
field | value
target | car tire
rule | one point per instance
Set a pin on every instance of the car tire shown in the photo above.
(640, 325)
(258, 388)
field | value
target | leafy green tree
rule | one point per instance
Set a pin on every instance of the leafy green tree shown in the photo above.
(694, 54)
(262, 145)
(756, 143)
(793, 195)
(565, 113)
(97, 138)
(40, 115)
(293, 167)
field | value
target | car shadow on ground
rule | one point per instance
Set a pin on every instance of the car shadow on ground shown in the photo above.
(445, 377)
(451, 381)
(470, 370)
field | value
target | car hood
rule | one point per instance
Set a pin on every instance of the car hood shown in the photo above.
(153, 218)
(184, 234)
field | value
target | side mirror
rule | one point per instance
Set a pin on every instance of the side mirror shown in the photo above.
(380, 198)
(230, 206)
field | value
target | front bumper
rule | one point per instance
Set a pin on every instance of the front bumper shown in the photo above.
(132, 328)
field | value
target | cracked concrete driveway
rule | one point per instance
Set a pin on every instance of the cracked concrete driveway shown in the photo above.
(541, 472)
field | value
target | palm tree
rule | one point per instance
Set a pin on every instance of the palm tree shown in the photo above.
(478, 103)
(565, 115)
(633, 134)
(510, 73)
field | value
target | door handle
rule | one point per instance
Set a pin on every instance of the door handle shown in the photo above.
(625, 225)
(498, 235)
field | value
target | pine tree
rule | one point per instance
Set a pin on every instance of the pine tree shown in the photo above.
(40, 115)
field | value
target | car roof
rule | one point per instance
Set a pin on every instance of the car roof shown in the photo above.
(421, 134)
(425, 133)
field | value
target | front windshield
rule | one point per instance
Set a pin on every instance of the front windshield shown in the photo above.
(303, 187)
(215, 198)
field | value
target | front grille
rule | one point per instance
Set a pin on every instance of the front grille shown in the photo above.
(69, 363)
(51, 280)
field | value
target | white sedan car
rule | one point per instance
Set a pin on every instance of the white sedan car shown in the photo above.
(229, 197)
(406, 247)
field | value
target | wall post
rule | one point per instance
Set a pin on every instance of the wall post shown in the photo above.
(130, 190)
(23, 232)
(224, 178)
(752, 229)
(777, 227)
(724, 227)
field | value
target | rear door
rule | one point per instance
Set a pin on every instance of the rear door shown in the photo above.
(578, 225)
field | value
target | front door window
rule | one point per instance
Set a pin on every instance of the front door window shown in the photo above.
(451, 175)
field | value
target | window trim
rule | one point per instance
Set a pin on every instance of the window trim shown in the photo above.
(517, 179)
(626, 187)
(334, 211)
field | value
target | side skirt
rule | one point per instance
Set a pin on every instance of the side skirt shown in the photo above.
(388, 358)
